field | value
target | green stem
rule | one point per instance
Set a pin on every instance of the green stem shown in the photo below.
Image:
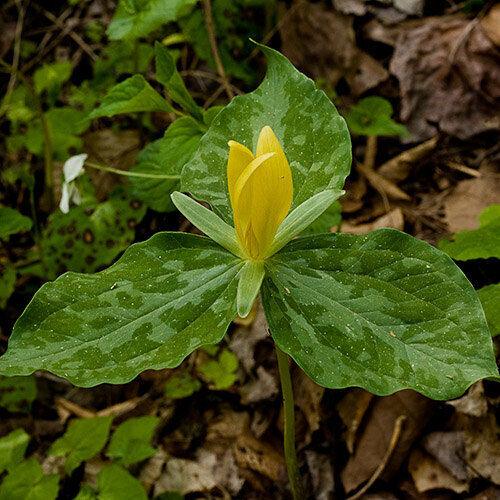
(130, 174)
(289, 437)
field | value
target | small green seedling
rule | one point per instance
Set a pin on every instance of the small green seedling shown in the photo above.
(382, 311)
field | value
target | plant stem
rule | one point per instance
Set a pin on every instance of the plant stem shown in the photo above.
(289, 424)
(126, 173)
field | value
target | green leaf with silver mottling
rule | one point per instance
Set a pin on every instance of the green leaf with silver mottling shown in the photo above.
(251, 277)
(135, 19)
(84, 439)
(481, 243)
(131, 441)
(314, 137)
(383, 311)
(166, 156)
(208, 222)
(490, 299)
(159, 302)
(12, 222)
(17, 393)
(131, 96)
(88, 238)
(26, 481)
(12, 449)
(167, 75)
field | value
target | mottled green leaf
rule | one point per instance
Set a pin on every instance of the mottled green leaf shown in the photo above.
(17, 393)
(83, 440)
(135, 19)
(481, 243)
(221, 372)
(26, 481)
(163, 299)
(115, 483)
(88, 238)
(167, 75)
(131, 441)
(314, 137)
(166, 156)
(383, 311)
(8, 276)
(490, 299)
(181, 385)
(373, 116)
(12, 448)
(131, 96)
(12, 222)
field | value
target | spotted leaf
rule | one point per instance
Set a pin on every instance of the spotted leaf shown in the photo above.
(163, 299)
(383, 312)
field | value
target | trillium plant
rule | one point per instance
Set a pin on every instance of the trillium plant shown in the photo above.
(382, 311)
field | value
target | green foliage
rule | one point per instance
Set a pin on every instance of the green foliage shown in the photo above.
(383, 312)
(373, 116)
(17, 393)
(221, 372)
(481, 243)
(89, 237)
(332, 217)
(490, 299)
(8, 277)
(181, 385)
(137, 18)
(26, 481)
(168, 76)
(84, 439)
(115, 483)
(131, 441)
(131, 96)
(12, 222)
(166, 156)
(12, 449)
(313, 134)
(163, 299)
(50, 78)
(19, 108)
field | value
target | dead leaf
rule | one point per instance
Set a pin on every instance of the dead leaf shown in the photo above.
(321, 470)
(153, 468)
(449, 75)
(356, 7)
(470, 198)
(473, 403)
(491, 24)
(265, 386)
(331, 52)
(428, 474)
(352, 408)
(393, 219)
(448, 448)
(382, 185)
(377, 434)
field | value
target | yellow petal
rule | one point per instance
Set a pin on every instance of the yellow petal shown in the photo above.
(239, 158)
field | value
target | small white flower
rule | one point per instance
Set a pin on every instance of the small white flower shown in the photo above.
(73, 167)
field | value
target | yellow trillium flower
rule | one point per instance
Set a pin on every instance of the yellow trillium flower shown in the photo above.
(260, 190)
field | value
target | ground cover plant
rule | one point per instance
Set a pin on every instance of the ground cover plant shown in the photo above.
(271, 297)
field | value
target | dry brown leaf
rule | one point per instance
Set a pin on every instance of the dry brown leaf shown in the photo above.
(449, 75)
(448, 448)
(471, 197)
(356, 7)
(393, 219)
(321, 471)
(473, 403)
(491, 24)
(352, 408)
(331, 52)
(265, 386)
(153, 468)
(428, 474)
(376, 436)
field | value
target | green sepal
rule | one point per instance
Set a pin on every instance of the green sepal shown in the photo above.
(208, 222)
(304, 215)
(251, 277)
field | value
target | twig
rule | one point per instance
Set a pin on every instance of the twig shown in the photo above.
(130, 174)
(209, 22)
(396, 433)
(370, 152)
